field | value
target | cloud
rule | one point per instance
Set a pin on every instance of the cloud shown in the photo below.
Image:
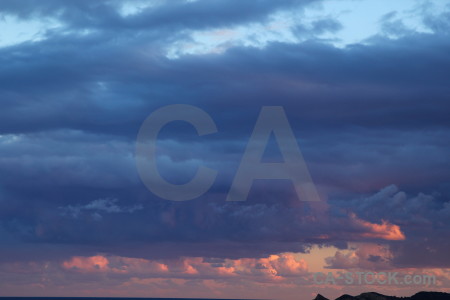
(174, 15)
(285, 273)
(362, 257)
(99, 205)
(383, 231)
(273, 267)
(419, 216)
(87, 264)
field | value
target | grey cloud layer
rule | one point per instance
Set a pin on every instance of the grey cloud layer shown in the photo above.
(366, 116)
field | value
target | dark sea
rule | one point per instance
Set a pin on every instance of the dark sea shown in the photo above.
(104, 298)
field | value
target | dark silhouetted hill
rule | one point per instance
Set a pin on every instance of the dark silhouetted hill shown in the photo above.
(320, 297)
(377, 296)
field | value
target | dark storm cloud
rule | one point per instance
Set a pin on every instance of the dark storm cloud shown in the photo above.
(174, 15)
(363, 85)
(366, 116)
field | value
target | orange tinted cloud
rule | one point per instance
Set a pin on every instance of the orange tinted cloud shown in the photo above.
(114, 264)
(87, 264)
(385, 230)
(273, 267)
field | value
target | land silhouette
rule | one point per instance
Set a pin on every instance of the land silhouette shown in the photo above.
(377, 296)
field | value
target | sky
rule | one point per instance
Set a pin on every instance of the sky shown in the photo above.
(363, 84)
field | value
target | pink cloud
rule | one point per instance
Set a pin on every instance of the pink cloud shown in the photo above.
(87, 264)
(281, 276)
(113, 264)
(274, 266)
(385, 230)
